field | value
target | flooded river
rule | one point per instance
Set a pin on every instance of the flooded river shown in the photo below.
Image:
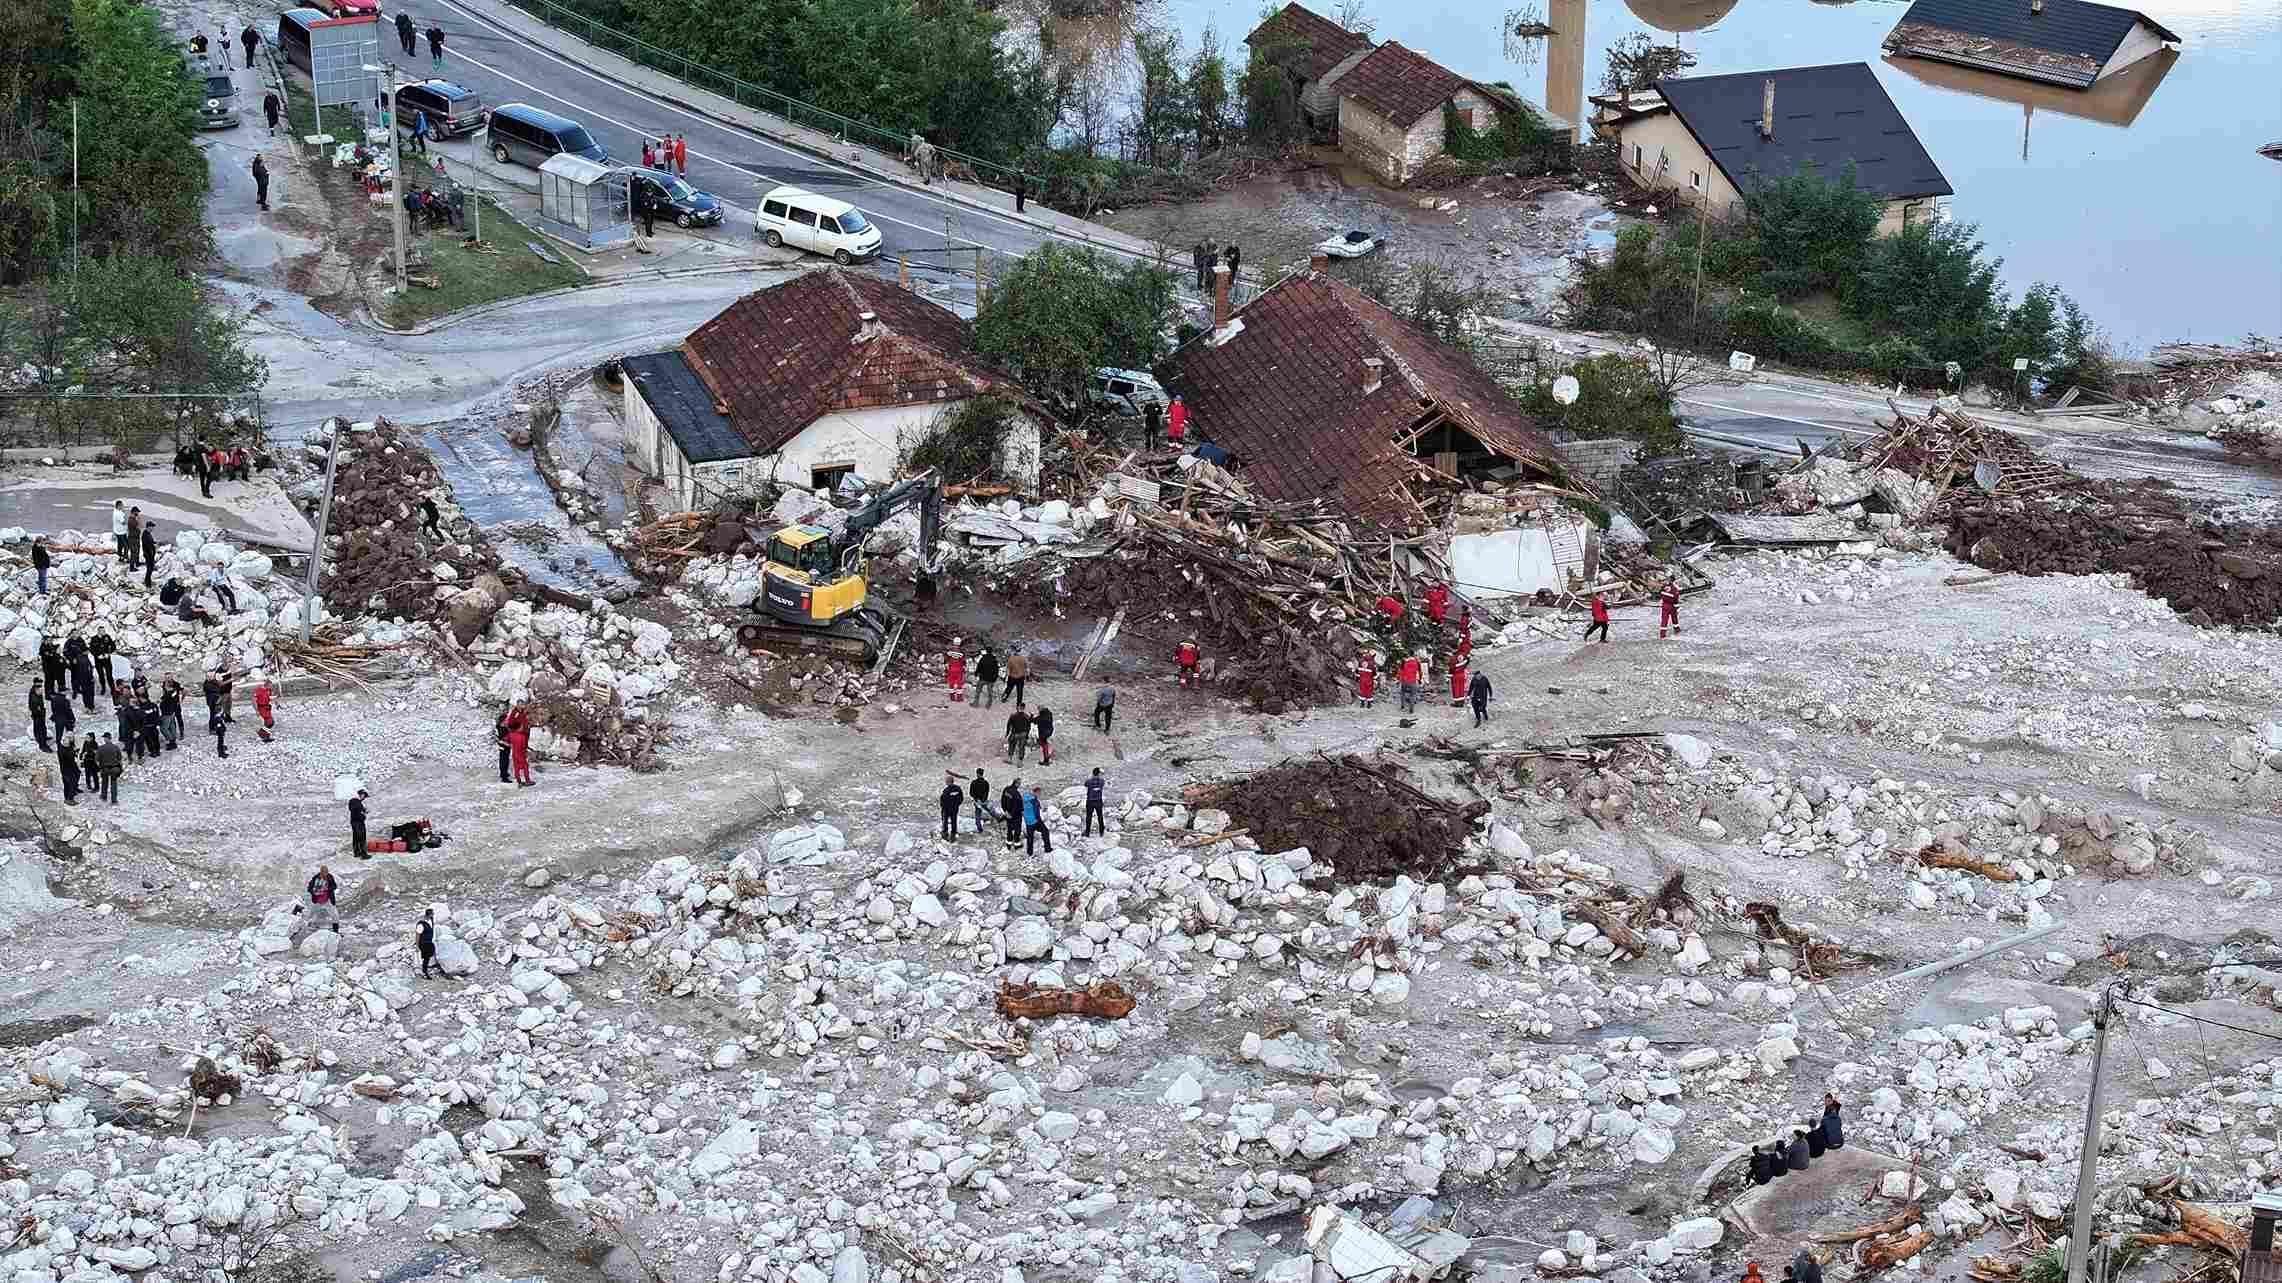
(2145, 198)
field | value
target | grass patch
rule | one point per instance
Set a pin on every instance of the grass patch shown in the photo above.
(503, 268)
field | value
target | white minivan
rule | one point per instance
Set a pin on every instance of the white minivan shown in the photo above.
(818, 224)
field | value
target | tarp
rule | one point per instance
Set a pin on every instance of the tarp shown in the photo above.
(1509, 563)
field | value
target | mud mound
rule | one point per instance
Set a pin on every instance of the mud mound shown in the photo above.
(384, 565)
(1354, 815)
(1257, 651)
(2215, 575)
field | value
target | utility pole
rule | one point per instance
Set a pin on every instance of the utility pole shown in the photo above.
(75, 200)
(1703, 219)
(2087, 1167)
(317, 545)
(396, 181)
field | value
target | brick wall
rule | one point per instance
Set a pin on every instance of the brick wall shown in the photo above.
(1599, 462)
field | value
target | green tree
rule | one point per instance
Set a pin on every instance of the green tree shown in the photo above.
(1808, 232)
(1062, 311)
(1208, 91)
(1271, 105)
(1637, 62)
(143, 181)
(1932, 284)
(1618, 395)
(1165, 118)
(141, 322)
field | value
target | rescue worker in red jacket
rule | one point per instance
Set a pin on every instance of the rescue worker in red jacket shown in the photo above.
(1669, 600)
(265, 697)
(1600, 619)
(1458, 674)
(1188, 661)
(1438, 602)
(1177, 424)
(1407, 677)
(1366, 678)
(519, 743)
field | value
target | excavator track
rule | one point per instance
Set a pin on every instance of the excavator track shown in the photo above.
(856, 635)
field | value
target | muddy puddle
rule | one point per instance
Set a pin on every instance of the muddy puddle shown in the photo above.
(31, 1033)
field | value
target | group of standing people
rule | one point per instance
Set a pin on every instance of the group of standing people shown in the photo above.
(670, 153)
(210, 463)
(248, 37)
(1019, 808)
(149, 723)
(511, 731)
(1205, 255)
(406, 36)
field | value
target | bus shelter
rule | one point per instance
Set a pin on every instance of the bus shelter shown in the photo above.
(584, 203)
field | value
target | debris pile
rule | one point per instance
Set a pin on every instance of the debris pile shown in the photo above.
(380, 563)
(1357, 816)
(590, 676)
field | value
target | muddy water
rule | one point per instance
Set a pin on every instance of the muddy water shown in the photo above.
(501, 491)
(2158, 216)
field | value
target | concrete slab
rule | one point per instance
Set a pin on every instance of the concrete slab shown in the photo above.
(79, 496)
(1826, 1196)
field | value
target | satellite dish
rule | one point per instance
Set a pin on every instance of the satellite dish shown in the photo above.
(1987, 475)
(1565, 389)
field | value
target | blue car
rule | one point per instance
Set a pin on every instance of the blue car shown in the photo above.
(687, 206)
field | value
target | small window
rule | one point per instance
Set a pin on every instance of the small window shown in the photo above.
(1695, 178)
(1636, 156)
(804, 217)
(827, 225)
(1119, 387)
(773, 208)
(828, 477)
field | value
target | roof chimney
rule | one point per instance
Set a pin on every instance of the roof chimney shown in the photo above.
(1371, 378)
(1319, 262)
(1220, 311)
(1767, 109)
(867, 328)
(903, 272)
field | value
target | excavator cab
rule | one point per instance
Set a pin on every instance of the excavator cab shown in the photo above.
(802, 581)
(813, 583)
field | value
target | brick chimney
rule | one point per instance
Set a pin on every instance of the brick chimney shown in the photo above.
(1767, 109)
(1220, 310)
(867, 328)
(1319, 262)
(1371, 374)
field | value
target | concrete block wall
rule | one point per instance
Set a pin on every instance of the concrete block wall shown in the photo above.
(1599, 462)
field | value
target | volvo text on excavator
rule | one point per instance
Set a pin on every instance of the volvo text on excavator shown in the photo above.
(813, 587)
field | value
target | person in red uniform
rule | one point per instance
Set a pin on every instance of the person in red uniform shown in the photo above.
(1600, 619)
(1188, 661)
(265, 697)
(1392, 608)
(1366, 678)
(1438, 602)
(1669, 599)
(1458, 676)
(955, 676)
(1177, 423)
(519, 743)
(1407, 677)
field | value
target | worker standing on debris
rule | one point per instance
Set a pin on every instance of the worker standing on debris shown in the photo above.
(1479, 693)
(1104, 708)
(1018, 734)
(951, 799)
(1017, 675)
(499, 737)
(1010, 806)
(324, 899)
(114, 765)
(986, 676)
(1438, 602)
(1034, 821)
(431, 518)
(153, 723)
(264, 705)
(67, 762)
(82, 670)
(1833, 1126)
(425, 941)
(1366, 678)
(132, 550)
(519, 743)
(1458, 672)
(1668, 600)
(1044, 722)
(40, 713)
(61, 717)
(170, 711)
(1095, 787)
(356, 826)
(1177, 423)
(955, 676)
(1407, 678)
(1187, 658)
(119, 528)
(1152, 424)
(40, 562)
(150, 552)
(1600, 618)
(978, 789)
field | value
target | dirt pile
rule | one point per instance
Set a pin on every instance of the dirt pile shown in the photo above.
(383, 564)
(1357, 816)
(2213, 574)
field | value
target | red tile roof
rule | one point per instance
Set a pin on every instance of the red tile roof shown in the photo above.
(1323, 44)
(1284, 393)
(1400, 84)
(781, 358)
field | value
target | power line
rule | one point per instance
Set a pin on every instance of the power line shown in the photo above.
(2206, 1020)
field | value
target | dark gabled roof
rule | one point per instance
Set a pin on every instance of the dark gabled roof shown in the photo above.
(783, 357)
(1400, 84)
(1284, 393)
(1826, 118)
(2067, 42)
(1316, 44)
(685, 408)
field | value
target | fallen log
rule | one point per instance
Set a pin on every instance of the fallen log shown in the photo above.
(1890, 1252)
(1107, 1000)
(1903, 1219)
(1934, 857)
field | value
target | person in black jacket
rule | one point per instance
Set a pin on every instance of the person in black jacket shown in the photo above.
(100, 648)
(405, 34)
(1760, 1174)
(1044, 722)
(82, 670)
(1812, 1130)
(91, 764)
(150, 552)
(499, 736)
(1796, 1158)
(130, 726)
(170, 712)
(425, 941)
(153, 721)
(61, 717)
(68, 759)
(1017, 734)
(951, 799)
(40, 714)
(431, 518)
(51, 666)
(40, 563)
(979, 790)
(1478, 691)
(1095, 787)
(1833, 1126)
(986, 672)
(356, 826)
(113, 763)
(1010, 808)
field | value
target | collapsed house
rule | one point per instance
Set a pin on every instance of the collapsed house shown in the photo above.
(828, 374)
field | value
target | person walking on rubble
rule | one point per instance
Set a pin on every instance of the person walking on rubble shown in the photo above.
(1017, 676)
(519, 743)
(1017, 735)
(1479, 694)
(1095, 787)
(91, 763)
(978, 790)
(1010, 806)
(1407, 678)
(170, 712)
(1104, 708)
(1600, 618)
(952, 798)
(1668, 604)
(424, 940)
(265, 703)
(986, 674)
(1044, 722)
(356, 826)
(1034, 821)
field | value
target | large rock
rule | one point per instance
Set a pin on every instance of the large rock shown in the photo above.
(250, 566)
(454, 955)
(470, 611)
(1028, 938)
(1697, 1234)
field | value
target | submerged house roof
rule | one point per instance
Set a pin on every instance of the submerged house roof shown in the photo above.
(1313, 44)
(1826, 119)
(2066, 42)
(1288, 388)
(830, 341)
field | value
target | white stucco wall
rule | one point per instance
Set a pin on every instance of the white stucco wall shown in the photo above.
(1392, 154)
(2140, 43)
(1660, 154)
(869, 440)
(642, 430)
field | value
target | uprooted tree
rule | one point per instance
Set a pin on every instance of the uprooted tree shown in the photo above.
(1061, 313)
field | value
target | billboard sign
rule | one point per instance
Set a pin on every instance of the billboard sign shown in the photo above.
(339, 49)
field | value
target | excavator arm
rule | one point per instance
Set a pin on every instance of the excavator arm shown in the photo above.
(924, 490)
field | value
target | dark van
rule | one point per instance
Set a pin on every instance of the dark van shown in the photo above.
(293, 35)
(526, 135)
(453, 110)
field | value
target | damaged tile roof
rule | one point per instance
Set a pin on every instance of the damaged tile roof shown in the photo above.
(1324, 43)
(1400, 84)
(1284, 391)
(781, 358)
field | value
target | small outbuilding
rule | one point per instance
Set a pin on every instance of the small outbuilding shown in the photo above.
(2073, 43)
(1391, 110)
(1315, 52)
(1714, 138)
(583, 202)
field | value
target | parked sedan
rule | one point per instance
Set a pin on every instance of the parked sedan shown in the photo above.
(687, 206)
(1350, 244)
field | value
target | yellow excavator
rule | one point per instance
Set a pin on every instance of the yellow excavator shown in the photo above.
(814, 593)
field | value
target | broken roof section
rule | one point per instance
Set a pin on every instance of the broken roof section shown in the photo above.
(1320, 393)
(1751, 528)
(831, 341)
(2063, 42)
(1304, 42)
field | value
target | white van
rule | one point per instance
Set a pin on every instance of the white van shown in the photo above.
(818, 224)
